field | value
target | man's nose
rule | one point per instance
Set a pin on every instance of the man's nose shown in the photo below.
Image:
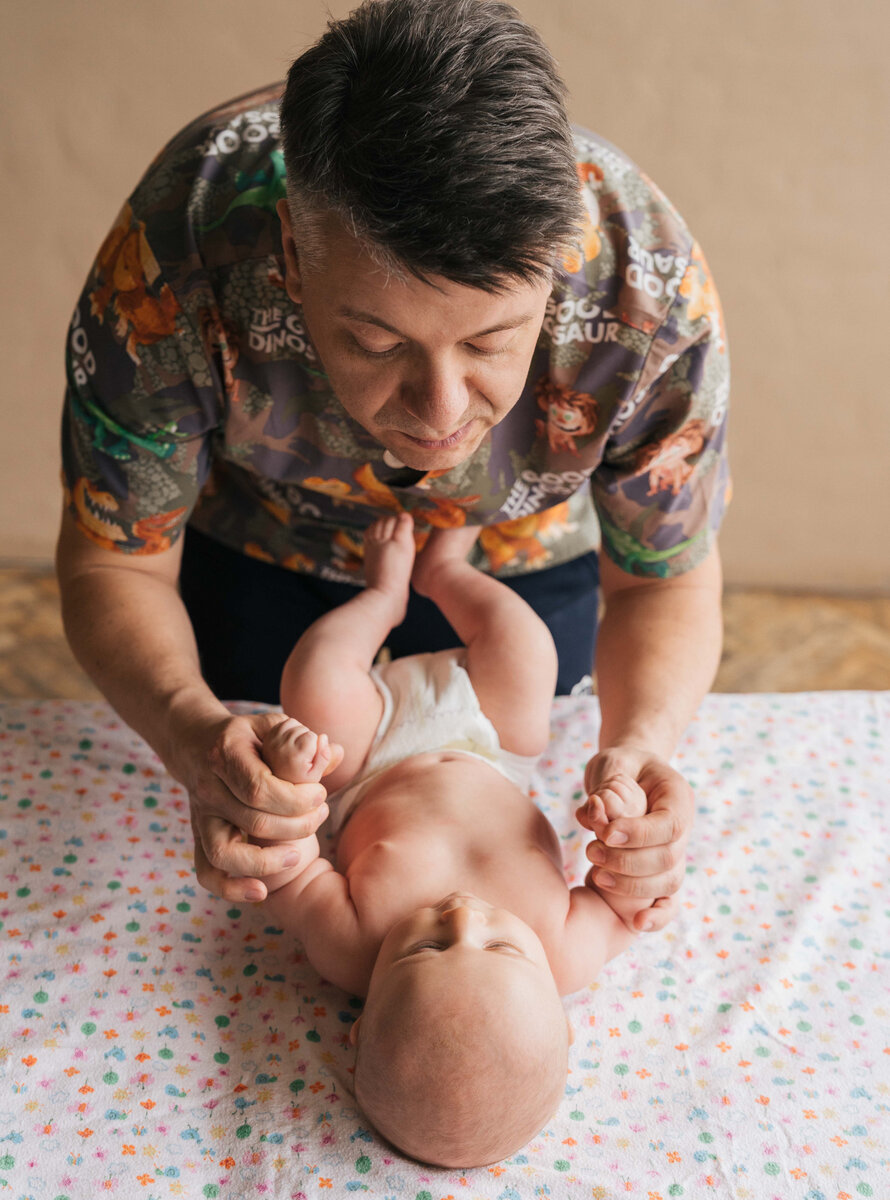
(438, 398)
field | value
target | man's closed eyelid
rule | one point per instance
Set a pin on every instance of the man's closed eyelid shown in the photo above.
(490, 351)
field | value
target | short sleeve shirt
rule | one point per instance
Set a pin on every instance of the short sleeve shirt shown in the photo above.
(195, 394)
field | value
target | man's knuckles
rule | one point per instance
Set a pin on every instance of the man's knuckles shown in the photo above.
(641, 887)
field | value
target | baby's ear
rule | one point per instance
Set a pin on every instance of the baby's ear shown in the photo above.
(571, 1030)
(353, 1032)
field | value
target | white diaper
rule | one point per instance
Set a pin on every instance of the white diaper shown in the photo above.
(428, 704)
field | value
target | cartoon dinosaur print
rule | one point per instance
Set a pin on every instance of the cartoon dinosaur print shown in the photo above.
(124, 271)
(509, 541)
(94, 509)
(668, 461)
(262, 190)
(570, 415)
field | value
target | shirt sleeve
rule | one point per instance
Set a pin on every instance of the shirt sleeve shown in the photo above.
(141, 401)
(663, 484)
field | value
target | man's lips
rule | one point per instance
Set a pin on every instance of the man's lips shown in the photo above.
(453, 439)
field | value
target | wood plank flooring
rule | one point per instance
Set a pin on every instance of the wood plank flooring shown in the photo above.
(774, 642)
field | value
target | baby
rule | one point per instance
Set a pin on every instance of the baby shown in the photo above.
(449, 909)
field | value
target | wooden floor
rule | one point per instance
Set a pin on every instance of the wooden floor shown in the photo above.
(774, 642)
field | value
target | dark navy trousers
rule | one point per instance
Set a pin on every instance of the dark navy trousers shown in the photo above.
(248, 614)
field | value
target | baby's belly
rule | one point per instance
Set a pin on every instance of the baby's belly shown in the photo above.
(456, 794)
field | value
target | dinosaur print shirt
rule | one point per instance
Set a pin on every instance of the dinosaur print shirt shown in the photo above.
(195, 394)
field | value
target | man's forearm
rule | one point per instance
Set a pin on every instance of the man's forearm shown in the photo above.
(131, 634)
(658, 649)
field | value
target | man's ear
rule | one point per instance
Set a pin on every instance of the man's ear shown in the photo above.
(353, 1032)
(293, 279)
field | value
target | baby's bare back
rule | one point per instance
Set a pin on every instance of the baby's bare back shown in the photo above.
(441, 822)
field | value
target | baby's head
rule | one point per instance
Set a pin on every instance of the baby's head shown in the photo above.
(463, 1042)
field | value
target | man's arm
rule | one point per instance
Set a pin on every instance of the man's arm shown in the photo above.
(130, 632)
(658, 649)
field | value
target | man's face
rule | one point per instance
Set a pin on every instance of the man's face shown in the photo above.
(426, 369)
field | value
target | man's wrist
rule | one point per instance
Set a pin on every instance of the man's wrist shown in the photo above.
(641, 741)
(185, 711)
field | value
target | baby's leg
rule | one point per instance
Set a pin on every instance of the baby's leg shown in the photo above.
(511, 659)
(325, 683)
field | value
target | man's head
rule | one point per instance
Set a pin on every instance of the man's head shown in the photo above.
(463, 1043)
(436, 132)
(431, 190)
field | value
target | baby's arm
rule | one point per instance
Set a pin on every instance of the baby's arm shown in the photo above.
(619, 796)
(296, 754)
(316, 908)
(593, 934)
(309, 899)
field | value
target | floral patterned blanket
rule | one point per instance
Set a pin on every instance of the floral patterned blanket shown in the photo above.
(157, 1042)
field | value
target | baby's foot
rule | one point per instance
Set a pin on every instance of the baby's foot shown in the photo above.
(389, 557)
(297, 755)
(445, 549)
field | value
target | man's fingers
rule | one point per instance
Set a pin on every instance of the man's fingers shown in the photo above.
(218, 883)
(215, 800)
(639, 887)
(654, 828)
(654, 860)
(236, 761)
(226, 864)
(656, 917)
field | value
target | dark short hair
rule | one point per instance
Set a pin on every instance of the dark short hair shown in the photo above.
(437, 131)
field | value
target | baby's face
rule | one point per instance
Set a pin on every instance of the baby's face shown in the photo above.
(462, 1055)
(463, 942)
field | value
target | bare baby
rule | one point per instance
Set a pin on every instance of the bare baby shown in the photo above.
(448, 908)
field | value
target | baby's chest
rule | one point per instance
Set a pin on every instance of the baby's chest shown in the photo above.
(389, 880)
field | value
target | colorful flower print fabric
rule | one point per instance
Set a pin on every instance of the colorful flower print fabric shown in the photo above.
(157, 1042)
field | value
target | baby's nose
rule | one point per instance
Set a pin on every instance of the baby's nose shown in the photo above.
(460, 916)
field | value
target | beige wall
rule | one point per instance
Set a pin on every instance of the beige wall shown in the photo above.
(766, 121)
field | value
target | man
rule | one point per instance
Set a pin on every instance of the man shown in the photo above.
(422, 293)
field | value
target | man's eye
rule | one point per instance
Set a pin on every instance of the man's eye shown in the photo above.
(370, 353)
(487, 351)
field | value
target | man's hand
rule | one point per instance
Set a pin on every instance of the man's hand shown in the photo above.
(640, 857)
(129, 629)
(233, 796)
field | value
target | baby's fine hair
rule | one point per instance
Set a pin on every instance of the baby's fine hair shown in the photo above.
(454, 1092)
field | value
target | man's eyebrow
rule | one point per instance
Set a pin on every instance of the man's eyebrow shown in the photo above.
(353, 314)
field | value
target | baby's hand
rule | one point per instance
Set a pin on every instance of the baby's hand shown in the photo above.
(619, 796)
(298, 755)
